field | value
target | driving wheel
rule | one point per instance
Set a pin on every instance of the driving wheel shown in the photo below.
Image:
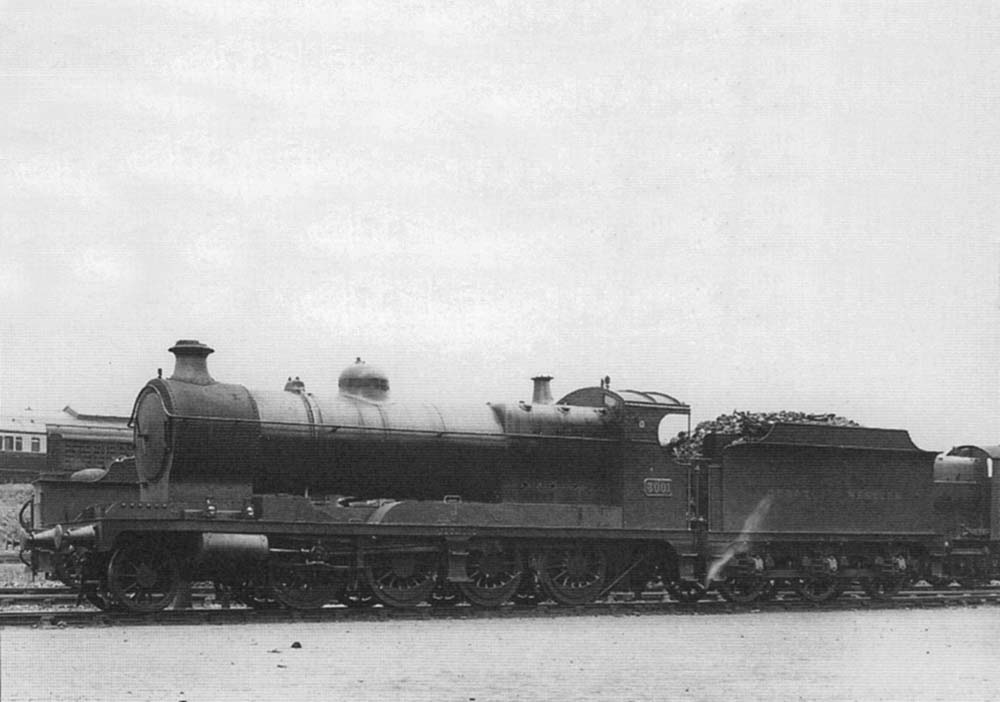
(301, 587)
(574, 575)
(402, 579)
(494, 575)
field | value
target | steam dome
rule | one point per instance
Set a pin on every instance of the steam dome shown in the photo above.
(364, 380)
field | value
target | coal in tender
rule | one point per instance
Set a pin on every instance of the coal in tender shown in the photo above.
(744, 427)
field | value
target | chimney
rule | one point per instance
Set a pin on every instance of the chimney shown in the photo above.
(542, 394)
(190, 366)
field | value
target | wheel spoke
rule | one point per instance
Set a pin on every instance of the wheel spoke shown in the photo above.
(495, 575)
(402, 580)
(819, 589)
(573, 575)
(298, 587)
(743, 590)
(134, 564)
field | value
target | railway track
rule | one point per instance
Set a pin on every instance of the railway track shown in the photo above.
(56, 607)
(67, 597)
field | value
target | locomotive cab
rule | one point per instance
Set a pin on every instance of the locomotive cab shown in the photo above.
(653, 486)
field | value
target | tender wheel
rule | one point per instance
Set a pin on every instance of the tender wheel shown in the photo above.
(573, 575)
(820, 588)
(402, 579)
(743, 590)
(822, 584)
(744, 580)
(883, 588)
(494, 576)
(890, 580)
(686, 591)
(301, 587)
(143, 577)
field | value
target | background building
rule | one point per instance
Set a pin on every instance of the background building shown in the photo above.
(33, 442)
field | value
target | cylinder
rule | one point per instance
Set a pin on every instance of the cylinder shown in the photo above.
(232, 548)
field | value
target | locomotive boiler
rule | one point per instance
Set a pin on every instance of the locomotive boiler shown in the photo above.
(196, 437)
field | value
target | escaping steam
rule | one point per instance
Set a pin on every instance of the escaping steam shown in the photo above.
(752, 524)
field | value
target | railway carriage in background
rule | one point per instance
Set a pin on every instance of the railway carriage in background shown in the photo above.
(53, 443)
(302, 499)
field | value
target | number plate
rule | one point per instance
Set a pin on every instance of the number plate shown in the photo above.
(657, 487)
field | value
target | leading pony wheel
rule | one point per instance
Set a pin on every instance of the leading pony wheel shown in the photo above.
(143, 577)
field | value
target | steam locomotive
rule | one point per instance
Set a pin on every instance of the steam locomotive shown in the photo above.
(301, 500)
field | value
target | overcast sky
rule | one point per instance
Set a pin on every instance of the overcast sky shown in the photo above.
(755, 206)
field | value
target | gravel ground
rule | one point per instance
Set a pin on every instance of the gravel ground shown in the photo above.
(904, 655)
(17, 575)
